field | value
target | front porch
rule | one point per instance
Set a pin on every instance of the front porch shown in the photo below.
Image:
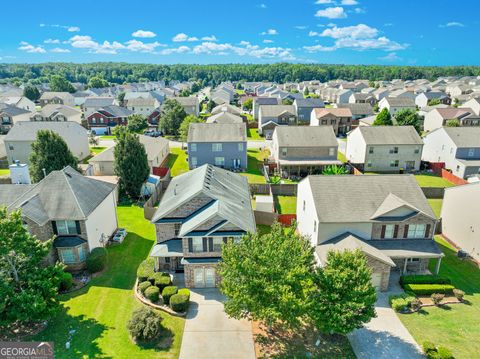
(168, 255)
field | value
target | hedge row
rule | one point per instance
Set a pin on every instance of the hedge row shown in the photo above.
(424, 279)
(427, 289)
(145, 269)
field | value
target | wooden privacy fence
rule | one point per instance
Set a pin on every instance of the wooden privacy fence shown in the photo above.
(281, 189)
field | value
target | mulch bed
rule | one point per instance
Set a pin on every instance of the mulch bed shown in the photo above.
(428, 302)
(18, 332)
(80, 280)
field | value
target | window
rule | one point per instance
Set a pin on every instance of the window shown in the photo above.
(217, 244)
(324, 122)
(394, 150)
(10, 147)
(94, 120)
(370, 150)
(331, 151)
(216, 147)
(220, 161)
(194, 161)
(333, 122)
(197, 245)
(417, 150)
(66, 227)
(68, 255)
(471, 152)
(389, 228)
(176, 228)
(240, 147)
(394, 163)
(416, 231)
(284, 151)
(369, 164)
(81, 254)
(193, 147)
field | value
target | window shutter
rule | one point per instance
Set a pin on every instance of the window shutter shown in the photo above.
(210, 244)
(225, 240)
(427, 230)
(54, 227)
(190, 245)
(395, 231)
(79, 230)
(382, 234)
(205, 249)
(405, 232)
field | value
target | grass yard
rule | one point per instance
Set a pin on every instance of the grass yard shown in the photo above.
(252, 135)
(255, 159)
(107, 137)
(100, 311)
(431, 180)
(240, 92)
(286, 204)
(177, 161)
(456, 326)
(4, 172)
(436, 204)
(97, 149)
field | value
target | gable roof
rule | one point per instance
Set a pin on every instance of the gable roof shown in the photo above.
(449, 113)
(338, 112)
(115, 111)
(305, 136)
(390, 135)
(463, 136)
(50, 94)
(217, 132)
(229, 190)
(276, 110)
(266, 100)
(357, 108)
(52, 109)
(64, 194)
(334, 196)
(226, 108)
(186, 101)
(12, 110)
(400, 101)
(224, 117)
(309, 102)
(27, 130)
(97, 101)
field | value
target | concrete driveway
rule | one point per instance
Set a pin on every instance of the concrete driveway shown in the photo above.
(210, 334)
(385, 336)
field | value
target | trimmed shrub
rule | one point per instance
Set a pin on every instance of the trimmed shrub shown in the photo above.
(179, 302)
(160, 280)
(66, 282)
(96, 260)
(145, 269)
(424, 279)
(459, 294)
(142, 287)
(400, 302)
(433, 352)
(168, 292)
(437, 298)
(415, 304)
(185, 292)
(156, 276)
(428, 347)
(444, 353)
(152, 293)
(145, 325)
(428, 289)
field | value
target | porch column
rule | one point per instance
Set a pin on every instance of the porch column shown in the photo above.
(437, 267)
(405, 266)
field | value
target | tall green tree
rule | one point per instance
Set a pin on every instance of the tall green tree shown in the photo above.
(268, 277)
(136, 122)
(383, 118)
(248, 104)
(172, 117)
(59, 83)
(28, 287)
(409, 117)
(31, 92)
(49, 153)
(130, 163)
(186, 125)
(344, 298)
(210, 105)
(97, 82)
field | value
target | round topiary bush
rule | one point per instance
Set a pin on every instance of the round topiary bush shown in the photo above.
(152, 293)
(160, 279)
(145, 325)
(168, 292)
(459, 294)
(97, 260)
(66, 282)
(145, 269)
(142, 287)
(185, 292)
(179, 302)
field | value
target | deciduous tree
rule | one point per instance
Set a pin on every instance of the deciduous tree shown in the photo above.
(383, 118)
(59, 83)
(31, 92)
(97, 82)
(136, 122)
(186, 125)
(172, 116)
(409, 117)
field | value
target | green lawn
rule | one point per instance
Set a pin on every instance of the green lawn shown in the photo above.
(97, 149)
(100, 311)
(255, 159)
(431, 180)
(107, 137)
(436, 204)
(456, 326)
(286, 204)
(252, 135)
(177, 161)
(240, 92)
(4, 172)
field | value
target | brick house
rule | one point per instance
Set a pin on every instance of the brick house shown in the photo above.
(387, 217)
(79, 212)
(199, 211)
(339, 118)
(104, 119)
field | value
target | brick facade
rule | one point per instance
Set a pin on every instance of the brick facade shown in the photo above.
(380, 267)
(190, 272)
(417, 219)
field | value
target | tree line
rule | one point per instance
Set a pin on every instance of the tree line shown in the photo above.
(119, 73)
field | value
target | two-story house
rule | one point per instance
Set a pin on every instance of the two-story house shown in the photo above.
(79, 211)
(358, 110)
(339, 118)
(18, 101)
(387, 217)
(395, 104)
(303, 150)
(438, 117)
(261, 101)
(190, 104)
(271, 116)
(57, 98)
(222, 145)
(9, 115)
(304, 106)
(93, 103)
(422, 100)
(199, 211)
(457, 147)
(144, 106)
(102, 120)
(57, 113)
(385, 148)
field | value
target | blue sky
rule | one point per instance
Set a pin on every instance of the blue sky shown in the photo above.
(390, 32)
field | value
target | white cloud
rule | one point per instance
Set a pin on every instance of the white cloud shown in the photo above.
(300, 27)
(359, 10)
(263, 6)
(319, 48)
(59, 50)
(51, 41)
(392, 56)
(67, 27)
(73, 29)
(209, 38)
(143, 34)
(349, 2)
(320, 2)
(86, 42)
(177, 50)
(452, 24)
(332, 13)
(136, 45)
(359, 31)
(244, 43)
(267, 41)
(381, 43)
(181, 37)
(25, 46)
(269, 32)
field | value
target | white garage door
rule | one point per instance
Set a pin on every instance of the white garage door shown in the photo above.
(377, 280)
(204, 277)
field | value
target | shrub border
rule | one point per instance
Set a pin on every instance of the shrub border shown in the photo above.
(165, 308)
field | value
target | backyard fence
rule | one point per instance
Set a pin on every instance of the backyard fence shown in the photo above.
(280, 189)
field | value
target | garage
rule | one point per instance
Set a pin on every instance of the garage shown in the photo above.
(204, 277)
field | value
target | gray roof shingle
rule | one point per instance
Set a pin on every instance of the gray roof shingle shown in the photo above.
(305, 136)
(390, 135)
(217, 132)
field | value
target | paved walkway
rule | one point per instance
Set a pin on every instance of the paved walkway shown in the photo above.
(385, 336)
(210, 334)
